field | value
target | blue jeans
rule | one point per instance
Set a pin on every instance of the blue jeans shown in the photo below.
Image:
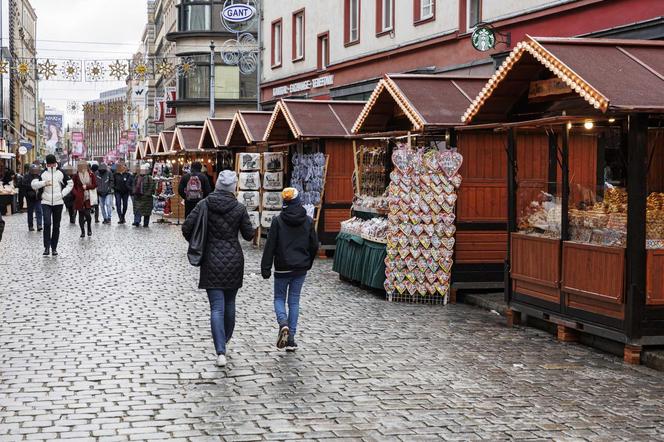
(121, 200)
(288, 288)
(35, 211)
(222, 317)
(106, 206)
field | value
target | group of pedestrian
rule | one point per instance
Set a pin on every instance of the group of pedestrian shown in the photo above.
(291, 248)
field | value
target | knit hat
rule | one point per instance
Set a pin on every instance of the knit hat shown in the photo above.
(50, 159)
(290, 195)
(227, 181)
(145, 168)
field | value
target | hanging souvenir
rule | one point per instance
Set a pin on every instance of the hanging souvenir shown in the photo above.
(266, 218)
(272, 200)
(250, 181)
(254, 218)
(274, 161)
(273, 181)
(250, 161)
(249, 199)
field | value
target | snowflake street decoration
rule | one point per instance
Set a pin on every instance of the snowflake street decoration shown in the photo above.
(165, 68)
(94, 71)
(47, 69)
(101, 109)
(23, 69)
(140, 70)
(4, 67)
(71, 70)
(187, 66)
(72, 107)
(118, 70)
(242, 52)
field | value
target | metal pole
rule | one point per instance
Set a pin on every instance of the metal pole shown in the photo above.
(260, 54)
(37, 133)
(2, 78)
(212, 92)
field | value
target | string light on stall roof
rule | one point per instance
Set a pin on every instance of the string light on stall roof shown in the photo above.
(612, 120)
(588, 125)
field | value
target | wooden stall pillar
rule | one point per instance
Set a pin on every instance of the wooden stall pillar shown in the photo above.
(637, 176)
(564, 216)
(552, 185)
(566, 334)
(513, 317)
(511, 209)
(632, 354)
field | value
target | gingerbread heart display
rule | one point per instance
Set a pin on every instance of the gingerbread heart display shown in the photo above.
(399, 276)
(435, 207)
(429, 197)
(450, 162)
(401, 288)
(403, 241)
(448, 243)
(406, 228)
(414, 218)
(451, 198)
(404, 253)
(429, 229)
(449, 230)
(403, 160)
(431, 289)
(404, 217)
(446, 265)
(426, 218)
(426, 254)
(431, 276)
(447, 207)
(395, 177)
(411, 277)
(418, 229)
(388, 285)
(414, 241)
(425, 180)
(456, 181)
(425, 241)
(416, 252)
(436, 180)
(432, 264)
(448, 218)
(420, 277)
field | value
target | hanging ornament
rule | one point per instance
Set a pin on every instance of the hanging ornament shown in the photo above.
(72, 107)
(94, 71)
(187, 66)
(4, 67)
(140, 70)
(71, 70)
(118, 70)
(165, 68)
(47, 69)
(23, 69)
(101, 108)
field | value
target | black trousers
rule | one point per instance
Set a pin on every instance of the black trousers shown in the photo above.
(84, 217)
(52, 217)
(189, 206)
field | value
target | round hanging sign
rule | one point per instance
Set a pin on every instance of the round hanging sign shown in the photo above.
(22, 150)
(238, 13)
(239, 16)
(483, 39)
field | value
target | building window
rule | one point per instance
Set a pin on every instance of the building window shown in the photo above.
(195, 15)
(277, 39)
(384, 16)
(323, 50)
(474, 13)
(298, 35)
(352, 21)
(230, 83)
(424, 10)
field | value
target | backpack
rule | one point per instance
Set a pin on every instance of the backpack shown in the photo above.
(194, 189)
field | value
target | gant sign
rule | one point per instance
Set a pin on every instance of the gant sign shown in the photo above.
(238, 13)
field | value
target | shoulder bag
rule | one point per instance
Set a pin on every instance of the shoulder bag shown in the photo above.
(199, 235)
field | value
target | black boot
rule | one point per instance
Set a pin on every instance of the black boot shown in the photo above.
(81, 224)
(89, 228)
(47, 251)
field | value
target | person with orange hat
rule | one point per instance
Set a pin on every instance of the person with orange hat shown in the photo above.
(292, 244)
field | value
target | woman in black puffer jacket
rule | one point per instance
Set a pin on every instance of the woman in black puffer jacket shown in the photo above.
(222, 269)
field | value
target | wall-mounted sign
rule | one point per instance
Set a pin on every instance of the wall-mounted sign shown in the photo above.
(483, 38)
(170, 94)
(22, 150)
(546, 88)
(238, 13)
(303, 86)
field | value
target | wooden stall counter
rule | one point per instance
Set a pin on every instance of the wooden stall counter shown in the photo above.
(535, 270)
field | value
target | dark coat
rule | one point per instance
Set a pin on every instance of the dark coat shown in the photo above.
(26, 186)
(144, 203)
(223, 262)
(205, 182)
(123, 183)
(104, 182)
(80, 202)
(292, 242)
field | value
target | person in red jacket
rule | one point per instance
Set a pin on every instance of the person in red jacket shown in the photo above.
(84, 183)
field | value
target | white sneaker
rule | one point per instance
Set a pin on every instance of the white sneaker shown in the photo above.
(228, 348)
(221, 361)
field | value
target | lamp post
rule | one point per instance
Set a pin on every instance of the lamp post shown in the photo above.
(212, 92)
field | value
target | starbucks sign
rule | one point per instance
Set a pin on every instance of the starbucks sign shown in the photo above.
(483, 39)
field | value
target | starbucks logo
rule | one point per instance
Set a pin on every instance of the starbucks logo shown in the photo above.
(483, 39)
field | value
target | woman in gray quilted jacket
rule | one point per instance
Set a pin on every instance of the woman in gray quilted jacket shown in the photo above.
(222, 269)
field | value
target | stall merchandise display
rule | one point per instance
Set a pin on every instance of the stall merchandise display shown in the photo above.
(372, 171)
(249, 180)
(272, 201)
(374, 229)
(249, 161)
(267, 216)
(421, 229)
(372, 204)
(163, 196)
(255, 219)
(308, 176)
(542, 217)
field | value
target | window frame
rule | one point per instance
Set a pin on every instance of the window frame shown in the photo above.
(479, 14)
(348, 37)
(294, 55)
(381, 29)
(323, 55)
(279, 23)
(417, 12)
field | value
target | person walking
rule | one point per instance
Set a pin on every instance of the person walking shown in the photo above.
(123, 184)
(105, 191)
(8, 188)
(292, 244)
(222, 268)
(144, 188)
(84, 184)
(193, 187)
(94, 199)
(55, 185)
(20, 180)
(68, 170)
(33, 199)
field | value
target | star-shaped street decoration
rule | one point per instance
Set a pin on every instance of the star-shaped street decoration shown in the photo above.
(4, 67)
(47, 69)
(118, 70)
(23, 69)
(140, 71)
(165, 68)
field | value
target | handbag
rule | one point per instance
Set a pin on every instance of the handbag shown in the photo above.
(199, 235)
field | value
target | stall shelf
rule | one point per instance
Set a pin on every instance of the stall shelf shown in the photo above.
(319, 126)
(425, 110)
(585, 254)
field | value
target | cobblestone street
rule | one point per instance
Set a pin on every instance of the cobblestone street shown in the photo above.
(111, 340)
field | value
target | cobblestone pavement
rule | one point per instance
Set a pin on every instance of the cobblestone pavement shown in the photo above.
(111, 340)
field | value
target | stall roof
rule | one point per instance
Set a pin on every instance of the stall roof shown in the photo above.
(299, 119)
(610, 75)
(214, 133)
(151, 144)
(140, 150)
(427, 101)
(186, 138)
(164, 141)
(247, 128)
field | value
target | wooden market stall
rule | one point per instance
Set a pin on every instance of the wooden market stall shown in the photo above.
(424, 110)
(585, 253)
(150, 145)
(306, 127)
(247, 131)
(140, 153)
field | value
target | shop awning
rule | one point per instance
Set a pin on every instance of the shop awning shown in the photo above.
(214, 133)
(164, 142)
(608, 75)
(417, 103)
(186, 138)
(247, 128)
(302, 119)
